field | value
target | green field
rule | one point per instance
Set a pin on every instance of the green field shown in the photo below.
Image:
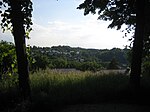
(52, 88)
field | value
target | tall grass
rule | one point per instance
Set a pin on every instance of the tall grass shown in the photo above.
(9, 93)
(51, 88)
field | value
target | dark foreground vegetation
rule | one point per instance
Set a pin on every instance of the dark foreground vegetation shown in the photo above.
(52, 89)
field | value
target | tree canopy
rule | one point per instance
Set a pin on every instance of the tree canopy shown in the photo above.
(119, 12)
(133, 13)
(6, 13)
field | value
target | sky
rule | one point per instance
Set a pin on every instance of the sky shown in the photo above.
(58, 22)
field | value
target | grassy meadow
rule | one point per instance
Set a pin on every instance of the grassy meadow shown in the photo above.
(52, 88)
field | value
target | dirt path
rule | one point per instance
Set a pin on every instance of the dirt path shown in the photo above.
(106, 108)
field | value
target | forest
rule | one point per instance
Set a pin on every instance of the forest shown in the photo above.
(57, 57)
(78, 58)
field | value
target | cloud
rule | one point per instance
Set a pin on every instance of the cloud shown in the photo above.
(6, 36)
(88, 34)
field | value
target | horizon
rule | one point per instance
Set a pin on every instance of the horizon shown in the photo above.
(60, 23)
(80, 47)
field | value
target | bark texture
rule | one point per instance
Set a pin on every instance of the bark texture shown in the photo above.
(19, 37)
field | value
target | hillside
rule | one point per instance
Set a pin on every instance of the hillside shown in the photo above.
(75, 57)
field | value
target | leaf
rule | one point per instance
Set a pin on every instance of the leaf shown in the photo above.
(13, 65)
(9, 74)
(1, 3)
(3, 20)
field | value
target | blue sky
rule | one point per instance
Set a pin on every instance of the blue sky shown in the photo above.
(60, 23)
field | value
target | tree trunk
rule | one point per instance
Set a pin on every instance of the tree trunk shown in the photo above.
(138, 45)
(19, 37)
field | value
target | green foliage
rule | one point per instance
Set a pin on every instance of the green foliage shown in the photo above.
(90, 66)
(40, 62)
(113, 64)
(7, 59)
(59, 63)
(26, 8)
(79, 58)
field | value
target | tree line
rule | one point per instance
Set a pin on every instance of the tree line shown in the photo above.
(64, 57)
(58, 57)
(79, 58)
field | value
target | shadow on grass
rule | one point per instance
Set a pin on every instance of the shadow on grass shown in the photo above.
(51, 91)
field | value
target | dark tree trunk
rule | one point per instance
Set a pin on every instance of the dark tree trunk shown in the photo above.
(19, 37)
(138, 45)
